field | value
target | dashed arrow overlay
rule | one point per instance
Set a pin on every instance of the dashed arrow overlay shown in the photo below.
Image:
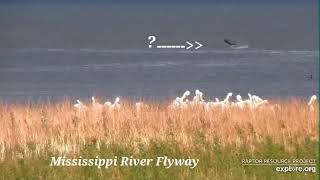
(188, 46)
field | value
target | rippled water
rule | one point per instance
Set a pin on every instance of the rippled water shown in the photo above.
(41, 73)
(53, 51)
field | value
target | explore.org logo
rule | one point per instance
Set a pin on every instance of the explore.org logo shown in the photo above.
(284, 165)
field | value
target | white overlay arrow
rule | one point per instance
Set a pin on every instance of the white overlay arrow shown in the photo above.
(188, 46)
(200, 45)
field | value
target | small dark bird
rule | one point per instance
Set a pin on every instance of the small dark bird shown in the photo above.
(309, 76)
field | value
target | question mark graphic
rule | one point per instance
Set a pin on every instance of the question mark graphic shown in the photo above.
(152, 40)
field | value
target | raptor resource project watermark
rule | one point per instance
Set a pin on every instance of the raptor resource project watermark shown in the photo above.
(284, 165)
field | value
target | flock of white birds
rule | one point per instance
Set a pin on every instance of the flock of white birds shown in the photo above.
(253, 102)
(183, 101)
(95, 104)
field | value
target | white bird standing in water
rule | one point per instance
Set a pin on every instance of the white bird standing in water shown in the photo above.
(228, 97)
(79, 105)
(139, 105)
(239, 98)
(240, 102)
(311, 102)
(198, 98)
(181, 101)
(256, 101)
(185, 95)
(116, 103)
(93, 100)
(250, 96)
(107, 104)
(226, 102)
(95, 104)
(212, 104)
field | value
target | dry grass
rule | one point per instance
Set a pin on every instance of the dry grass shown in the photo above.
(65, 129)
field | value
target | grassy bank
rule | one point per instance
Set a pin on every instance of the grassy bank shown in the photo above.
(215, 162)
(220, 138)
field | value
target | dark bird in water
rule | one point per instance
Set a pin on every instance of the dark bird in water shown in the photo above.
(309, 76)
(229, 42)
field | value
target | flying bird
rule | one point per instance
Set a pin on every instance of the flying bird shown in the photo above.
(230, 42)
(235, 45)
